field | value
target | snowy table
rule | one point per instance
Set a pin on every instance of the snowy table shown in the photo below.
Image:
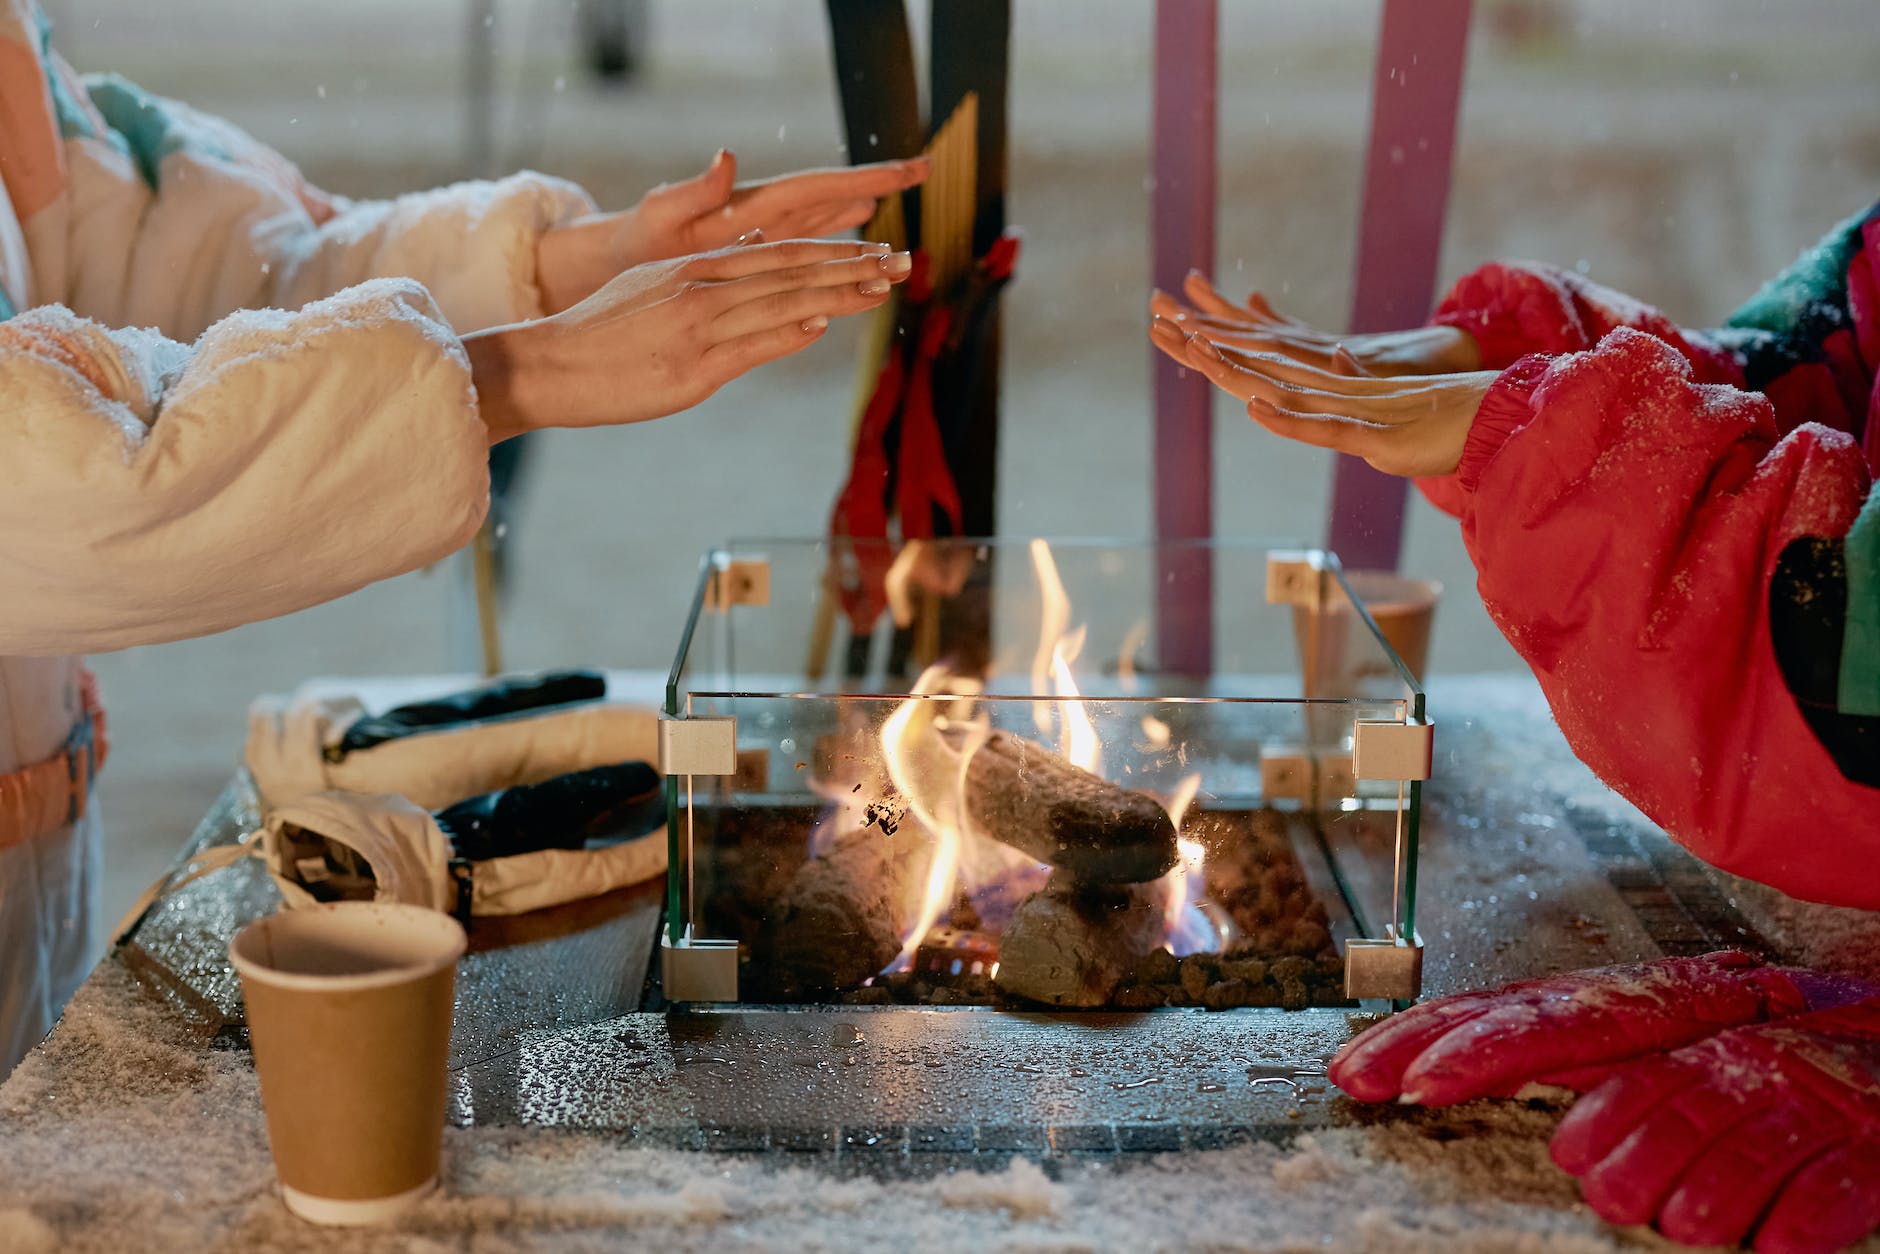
(581, 1123)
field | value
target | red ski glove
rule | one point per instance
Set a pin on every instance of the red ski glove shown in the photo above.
(1571, 1029)
(1774, 1126)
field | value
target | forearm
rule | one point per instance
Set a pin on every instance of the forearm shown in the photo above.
(499, 372)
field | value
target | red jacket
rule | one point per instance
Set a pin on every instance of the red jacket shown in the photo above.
(1692, 567)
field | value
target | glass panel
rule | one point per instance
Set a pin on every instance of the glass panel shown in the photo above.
(1015, 808)
(869, 844)
(870, 621)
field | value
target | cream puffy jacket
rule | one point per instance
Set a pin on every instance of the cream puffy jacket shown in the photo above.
(224, 394)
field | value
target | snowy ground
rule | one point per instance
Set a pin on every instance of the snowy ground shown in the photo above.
(181, 1162)
(129, 1090)
(173, 1155)
(1682, 149)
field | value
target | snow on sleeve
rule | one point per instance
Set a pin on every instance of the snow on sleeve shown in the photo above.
(175, 218)
(1625, 521)
(473, 245)
(150, 491)
(1519, 307)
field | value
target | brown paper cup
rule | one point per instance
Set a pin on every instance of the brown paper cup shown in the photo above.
(349, 1010)
(1404, 610)
(1335, 657)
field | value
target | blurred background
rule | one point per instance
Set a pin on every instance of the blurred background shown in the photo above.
(1682, 150)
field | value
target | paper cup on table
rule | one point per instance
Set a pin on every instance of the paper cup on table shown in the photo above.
(1404, 610)
(1335, 655)
(349, 1010)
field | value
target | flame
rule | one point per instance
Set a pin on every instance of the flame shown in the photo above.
(1077, 735)
(928, 741)
(1187, 921)
(933, 780)
(1126, 661)
(1182, 798)
(898, 583)
(1054, 615)
(1157, 732)
(1051, 668)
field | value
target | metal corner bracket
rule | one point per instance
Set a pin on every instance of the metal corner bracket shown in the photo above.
(738, 581)
(1390, 968)
(1382, 749)
(698, 746)
(1295, 576)
(698, 970)
(1294, 773)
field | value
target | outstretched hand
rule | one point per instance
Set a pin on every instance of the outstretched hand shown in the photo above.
(662, 337)
(709, 211)
(1257, 326)
(1407, 425)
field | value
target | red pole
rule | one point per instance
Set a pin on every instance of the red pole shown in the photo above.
(1415, 97)
(1182, 211)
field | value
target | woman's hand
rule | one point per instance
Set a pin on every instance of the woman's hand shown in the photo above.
(662, 337)
(1259, 327)
(1408, 425)
(711, 211)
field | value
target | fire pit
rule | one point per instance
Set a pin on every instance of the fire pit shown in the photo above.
(957, 774)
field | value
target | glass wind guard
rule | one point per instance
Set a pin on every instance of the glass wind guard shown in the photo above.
(982, 788)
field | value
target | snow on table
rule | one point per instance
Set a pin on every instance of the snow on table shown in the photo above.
(134, 1127)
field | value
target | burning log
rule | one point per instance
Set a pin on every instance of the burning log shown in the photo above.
(1071, 944)
(841, 917)
(1095, 832)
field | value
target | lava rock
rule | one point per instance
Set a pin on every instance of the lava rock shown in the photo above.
(1226, 995)
(1248, 970)
(1159, 967)
(1198, 971)
(1139, 997)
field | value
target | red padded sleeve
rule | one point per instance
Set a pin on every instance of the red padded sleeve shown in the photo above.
(1624, 519)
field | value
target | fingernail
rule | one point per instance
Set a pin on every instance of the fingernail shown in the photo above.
(1205, 348)
(897, 263)
(874, 287)
(813, 325)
